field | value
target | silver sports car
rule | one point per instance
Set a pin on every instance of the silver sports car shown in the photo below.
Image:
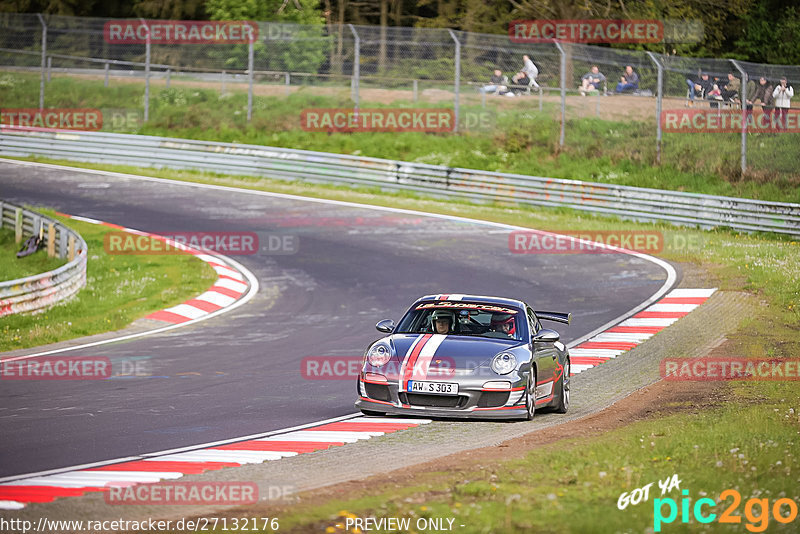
(466, 356)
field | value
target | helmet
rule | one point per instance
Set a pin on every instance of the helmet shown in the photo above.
(442, 314)
(500, 320)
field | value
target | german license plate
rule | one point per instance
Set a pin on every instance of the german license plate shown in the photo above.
(437, 388)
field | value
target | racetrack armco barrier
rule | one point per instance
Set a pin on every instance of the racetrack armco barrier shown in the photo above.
(35, 293)
(634, 203)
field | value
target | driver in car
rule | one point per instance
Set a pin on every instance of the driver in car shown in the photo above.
(442, 321)
(504, 324)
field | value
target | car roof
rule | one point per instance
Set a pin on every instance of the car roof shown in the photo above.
(476, 298)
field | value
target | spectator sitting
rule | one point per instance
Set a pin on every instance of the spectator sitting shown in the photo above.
(763, 92)
(730, 91)
(521, 81)
(592, 81)
(698, 86)
(498, 83)
(629, 81)
(530, 69)
(782, 94)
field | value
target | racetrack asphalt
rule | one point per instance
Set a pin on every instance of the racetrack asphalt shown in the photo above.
(240, 373)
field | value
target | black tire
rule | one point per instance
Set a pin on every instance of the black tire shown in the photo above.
(530, 395)
(563, 398)
(372, 414)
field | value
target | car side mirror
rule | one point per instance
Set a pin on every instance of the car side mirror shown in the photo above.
(386, 326)
(545, 335)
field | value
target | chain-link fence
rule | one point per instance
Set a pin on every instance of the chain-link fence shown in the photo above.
(367, 64)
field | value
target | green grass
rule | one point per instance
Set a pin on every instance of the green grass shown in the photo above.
(119, 290)
(13, 268)
(522, 140)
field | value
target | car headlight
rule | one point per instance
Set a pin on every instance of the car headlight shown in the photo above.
(379, 354)
(504, 363)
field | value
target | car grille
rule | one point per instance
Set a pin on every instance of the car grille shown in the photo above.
(493, 399)
(377, 391)
(434, 401)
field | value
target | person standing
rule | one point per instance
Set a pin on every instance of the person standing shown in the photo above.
(530, 69)
(782, 94)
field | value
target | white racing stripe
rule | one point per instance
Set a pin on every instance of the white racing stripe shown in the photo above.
(398, 420)
(231, 284)
(215, 297)
(11, 505)
(576, 368)
(649, 321)
(631, 337)
(420, 371)
(691, 293)
(186, 310)
(216, 455)
(672, 307)
(95, 478)
(596, 353)
(227, 271)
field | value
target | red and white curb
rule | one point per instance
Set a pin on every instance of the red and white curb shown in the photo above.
(636, 329)
(231, 285)
(167, 465)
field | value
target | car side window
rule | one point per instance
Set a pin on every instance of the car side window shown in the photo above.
(533, 322)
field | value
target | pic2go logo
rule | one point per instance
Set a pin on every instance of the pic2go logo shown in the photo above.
(756, 511)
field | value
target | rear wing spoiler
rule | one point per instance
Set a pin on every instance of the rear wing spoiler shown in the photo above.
(554, 316)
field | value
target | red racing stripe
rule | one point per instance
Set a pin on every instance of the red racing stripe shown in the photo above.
(42, 493)
(613, 345)
(411, 360)
(203, 305)
(187, 468)
(659, 315)
(637, 329)
(169, 317)
(225, 291)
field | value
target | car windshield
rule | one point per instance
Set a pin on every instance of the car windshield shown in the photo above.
(463, 319)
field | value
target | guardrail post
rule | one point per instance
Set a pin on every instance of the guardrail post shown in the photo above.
(71, 248)
(146, 72)
(44, 59)
(62, 243)
(658, 104)
(416, 90)
(250, 51)
(105, 74)
(563, 92)
(457, 81)
(1, 213)
(169, 73)
(356, 66)
(541, 98)
(287, 81)
(51, 240)
(744, 114)
(18, 225)
(49, 67)
(222, 88)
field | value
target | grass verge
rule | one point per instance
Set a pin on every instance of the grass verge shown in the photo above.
(517, 139)
(119, 289)
(13, 268)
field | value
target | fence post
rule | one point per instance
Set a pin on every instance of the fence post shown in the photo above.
(457, 81)
(250, 80)
(416, 89)
(659, 93)
(563, 92)
(105, 74)
(356, 65)
(287, 81)
(146, 72)
(169, 72)
(44, 59)
(744, 114)
(222, 88)
(49, 67)
(18, 225)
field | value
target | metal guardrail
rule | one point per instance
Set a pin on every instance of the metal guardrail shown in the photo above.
(40, 291)
(637, 203)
